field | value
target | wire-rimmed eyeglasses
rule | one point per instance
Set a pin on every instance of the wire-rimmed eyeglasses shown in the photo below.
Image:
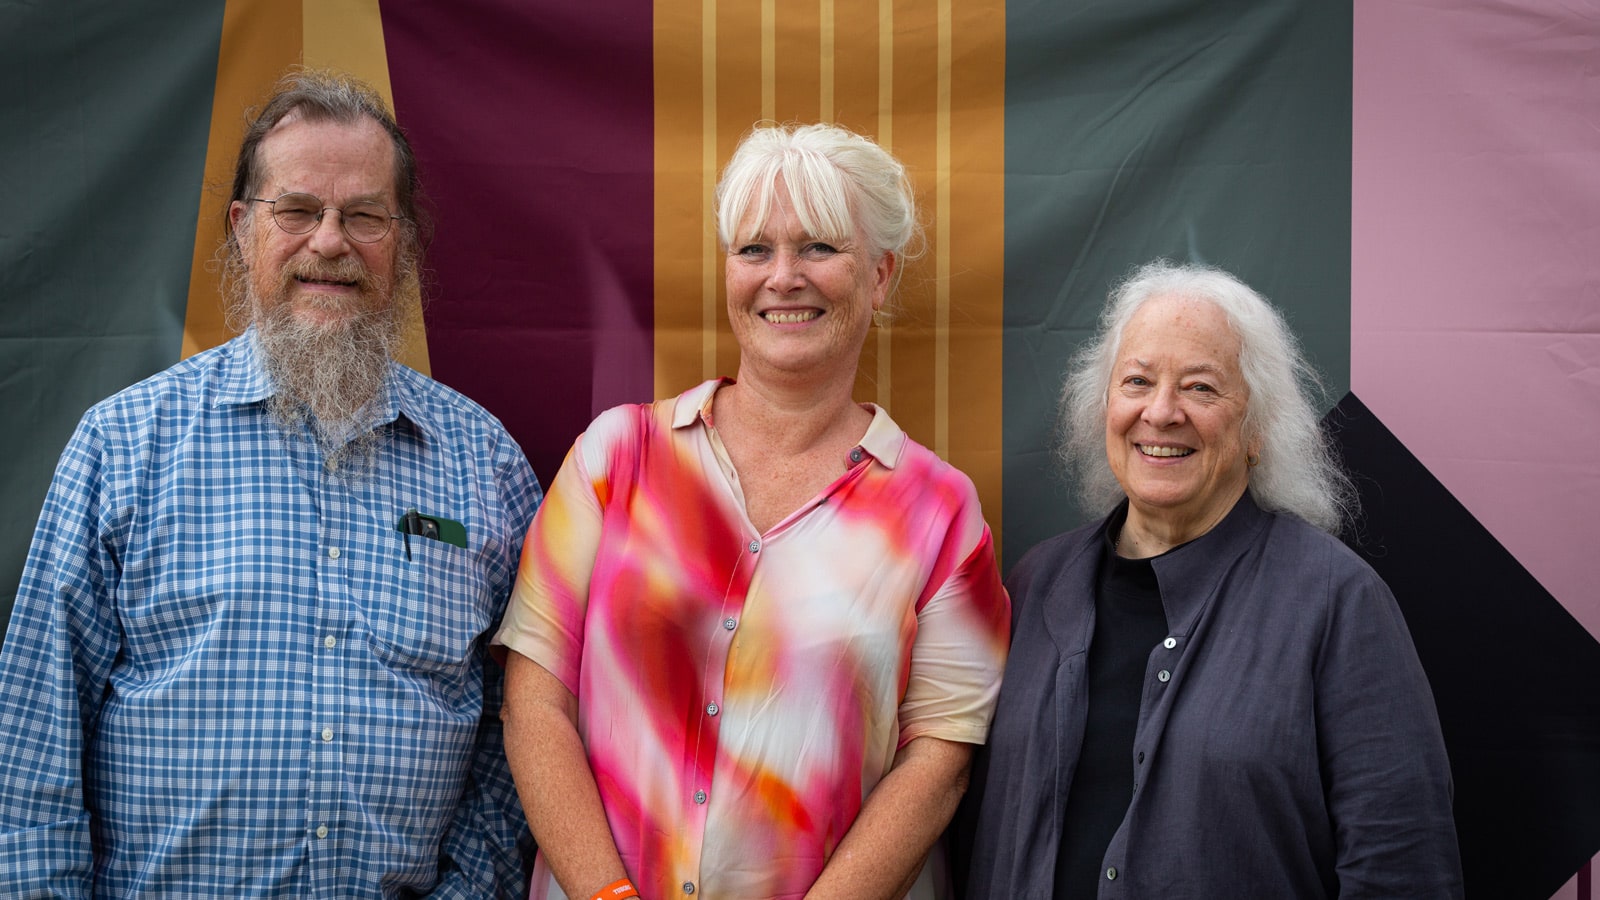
(365, 221)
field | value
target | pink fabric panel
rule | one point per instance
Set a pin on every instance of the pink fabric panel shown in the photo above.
(1475, 282)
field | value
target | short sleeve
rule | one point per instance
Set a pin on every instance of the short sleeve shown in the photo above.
(544, 619)
(963, 632)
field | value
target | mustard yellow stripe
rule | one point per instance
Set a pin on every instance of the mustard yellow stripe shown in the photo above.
(681, 239)
(798, 92)
(974, 232)
(825, 60)
(260, 39)
(769, 59)
(886, 73)
(710, 277)
(739, 65)
(907, 104)
(941, 328)
(926, 79)
(348, 35)
(885, 339)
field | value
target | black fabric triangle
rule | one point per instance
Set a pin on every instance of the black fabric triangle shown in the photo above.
(1515, 676)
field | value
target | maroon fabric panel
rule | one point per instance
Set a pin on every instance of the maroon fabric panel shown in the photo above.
(533, 124)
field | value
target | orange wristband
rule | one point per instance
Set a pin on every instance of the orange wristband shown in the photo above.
(616, 890)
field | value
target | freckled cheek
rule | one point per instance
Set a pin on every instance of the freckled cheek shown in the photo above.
(740, 286)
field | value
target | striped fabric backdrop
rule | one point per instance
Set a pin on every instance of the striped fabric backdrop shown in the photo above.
(1417, 184)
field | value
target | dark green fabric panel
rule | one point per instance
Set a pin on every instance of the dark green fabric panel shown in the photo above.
(1199, 130)
(102, 153)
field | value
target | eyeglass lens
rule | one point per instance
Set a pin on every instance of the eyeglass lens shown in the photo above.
(363, 220)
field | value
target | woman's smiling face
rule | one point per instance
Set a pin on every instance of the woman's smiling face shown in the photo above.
(798, 303)
(1175, 415)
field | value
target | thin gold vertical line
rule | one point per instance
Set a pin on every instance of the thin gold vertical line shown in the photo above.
(825, 16)
(886, 140)
(769, 59)
(886, 74)
(708, 181)
(941, 250)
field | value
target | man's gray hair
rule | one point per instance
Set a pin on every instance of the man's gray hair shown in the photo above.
(318, 95)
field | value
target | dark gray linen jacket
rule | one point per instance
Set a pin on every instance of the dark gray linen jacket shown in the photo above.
(1287, 742)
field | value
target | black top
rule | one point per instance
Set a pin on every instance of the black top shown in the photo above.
(1128, 623)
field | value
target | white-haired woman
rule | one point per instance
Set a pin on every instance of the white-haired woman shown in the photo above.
(757, 629)
(1209, 695)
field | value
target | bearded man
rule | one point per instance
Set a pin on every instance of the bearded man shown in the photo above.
(247, 656)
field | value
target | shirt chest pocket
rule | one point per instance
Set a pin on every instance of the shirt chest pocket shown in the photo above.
(427, 612)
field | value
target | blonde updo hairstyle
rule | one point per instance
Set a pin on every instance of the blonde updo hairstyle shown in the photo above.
(845, 189)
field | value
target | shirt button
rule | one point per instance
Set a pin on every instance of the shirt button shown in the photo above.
(730, 623)
(1140, 758)
(1163, 676)
(699, 796)
(1111, 874)
(688, 887)
(712, 709)
(329, 642)
(1169, 643)
(754, 546)
(333, 552)
(856, 455)
(327, 734)
(322, 831)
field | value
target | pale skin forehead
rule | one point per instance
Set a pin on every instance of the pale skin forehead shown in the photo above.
(335, 160)
(1181, 333)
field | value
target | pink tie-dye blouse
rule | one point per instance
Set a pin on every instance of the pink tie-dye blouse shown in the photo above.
(740, 694)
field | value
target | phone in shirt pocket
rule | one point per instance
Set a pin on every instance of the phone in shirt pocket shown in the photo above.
(427, 608)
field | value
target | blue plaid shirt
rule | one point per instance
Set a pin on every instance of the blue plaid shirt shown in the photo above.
(228, 674)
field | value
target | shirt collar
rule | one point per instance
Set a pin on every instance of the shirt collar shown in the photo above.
(695, 403)
(1191, 574)
(243, 380)
(884, 440)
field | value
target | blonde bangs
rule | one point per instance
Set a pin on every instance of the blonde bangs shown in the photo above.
(818, 191)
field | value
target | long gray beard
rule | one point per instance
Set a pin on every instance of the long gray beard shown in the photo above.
(326, 375)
